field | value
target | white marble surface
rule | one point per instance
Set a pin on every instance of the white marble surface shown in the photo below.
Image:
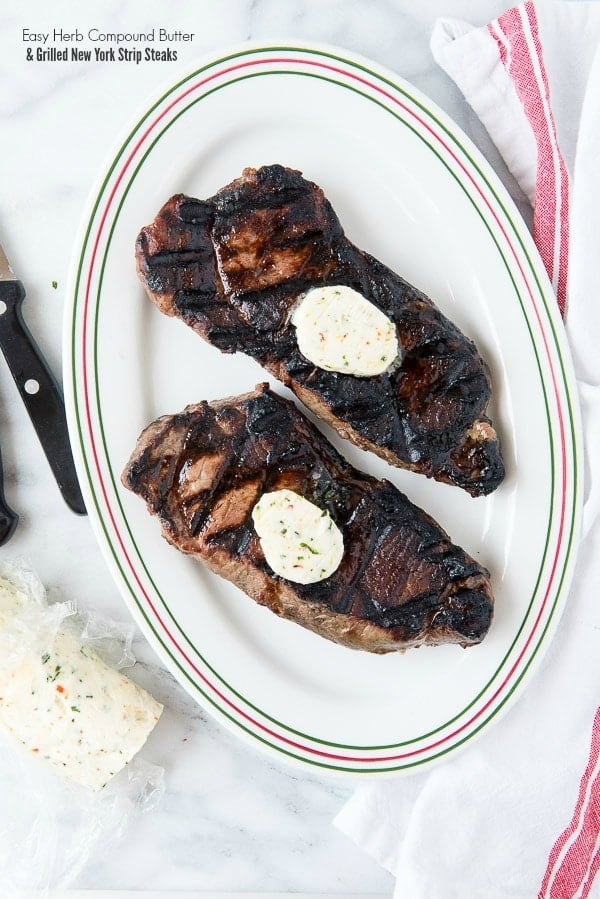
(231, 819)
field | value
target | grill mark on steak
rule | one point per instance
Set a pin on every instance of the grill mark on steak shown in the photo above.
(401, 581)
(232, 268)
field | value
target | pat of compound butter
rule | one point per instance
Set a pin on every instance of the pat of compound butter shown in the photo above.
(300, 541)
(339, 330)
(65, 705)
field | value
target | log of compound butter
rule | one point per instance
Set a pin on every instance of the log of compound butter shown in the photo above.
(64, 704)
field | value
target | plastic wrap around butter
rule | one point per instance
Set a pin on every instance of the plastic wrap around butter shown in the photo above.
(61, 701)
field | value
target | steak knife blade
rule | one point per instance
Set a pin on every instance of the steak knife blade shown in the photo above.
(37, 386)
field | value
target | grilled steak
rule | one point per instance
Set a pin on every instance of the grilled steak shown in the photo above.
(233, 268)
(400, 583)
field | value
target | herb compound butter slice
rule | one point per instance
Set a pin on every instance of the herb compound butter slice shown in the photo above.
(65, 705)
(300, 541)
(339, 330)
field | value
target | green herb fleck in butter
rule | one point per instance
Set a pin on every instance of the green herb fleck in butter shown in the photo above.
(340, 330)
(300, 541)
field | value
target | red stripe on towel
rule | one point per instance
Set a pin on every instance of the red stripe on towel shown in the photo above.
(575, 857)
(517, 35)
(594, 867)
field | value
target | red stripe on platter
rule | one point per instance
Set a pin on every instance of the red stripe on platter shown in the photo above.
(244, 716)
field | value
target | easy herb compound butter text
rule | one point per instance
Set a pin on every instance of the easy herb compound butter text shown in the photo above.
(94, 45)
(160, 35)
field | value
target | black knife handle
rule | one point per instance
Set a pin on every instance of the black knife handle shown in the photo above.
(8, 518)
(39, 391)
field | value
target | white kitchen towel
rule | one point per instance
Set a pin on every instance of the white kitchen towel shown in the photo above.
(518, 813)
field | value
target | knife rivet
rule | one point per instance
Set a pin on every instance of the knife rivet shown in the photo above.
(31, 386)
(3, 307)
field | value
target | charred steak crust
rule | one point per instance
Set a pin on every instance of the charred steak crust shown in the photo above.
(401, 582)
(233, 266)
